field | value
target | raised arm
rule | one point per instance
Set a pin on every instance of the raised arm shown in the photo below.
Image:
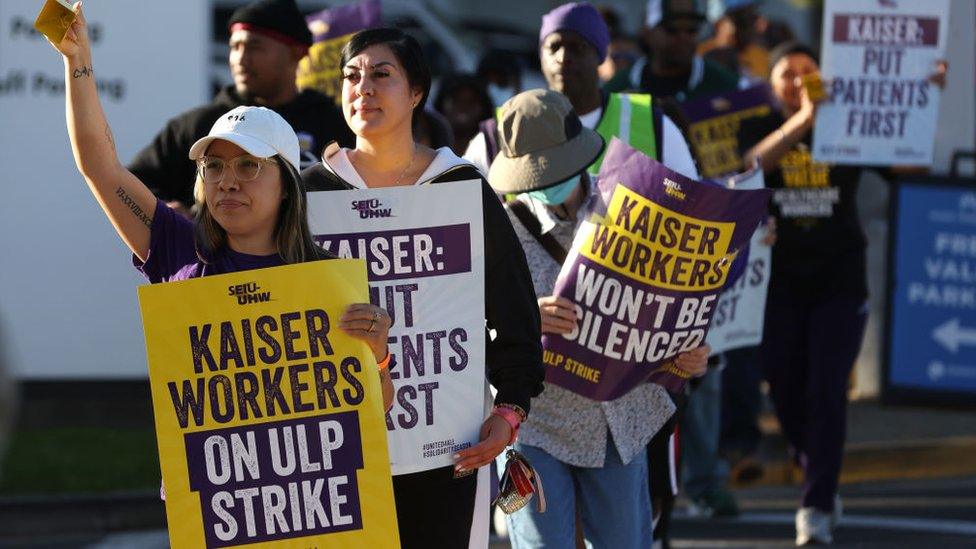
(128, 203)
(774, 146)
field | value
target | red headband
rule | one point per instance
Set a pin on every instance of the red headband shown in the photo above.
(273, 34)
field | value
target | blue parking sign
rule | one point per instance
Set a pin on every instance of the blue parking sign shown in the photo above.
(931, 336)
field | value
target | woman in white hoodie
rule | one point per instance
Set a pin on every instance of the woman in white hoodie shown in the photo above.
(386, 82)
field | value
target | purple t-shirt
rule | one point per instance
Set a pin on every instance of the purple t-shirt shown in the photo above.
(172, 255)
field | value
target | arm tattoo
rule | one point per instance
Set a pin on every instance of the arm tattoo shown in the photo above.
(85, 70)
(108, 136)
(131, 204)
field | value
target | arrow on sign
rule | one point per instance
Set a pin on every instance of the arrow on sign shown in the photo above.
(951, 335)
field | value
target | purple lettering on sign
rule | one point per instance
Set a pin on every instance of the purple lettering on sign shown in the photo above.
(396, 295)
(634, 315)
(886, 30)
(419, 356)
(407, 253)
(278, 480)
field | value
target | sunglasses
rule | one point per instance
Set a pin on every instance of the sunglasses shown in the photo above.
(245, 167)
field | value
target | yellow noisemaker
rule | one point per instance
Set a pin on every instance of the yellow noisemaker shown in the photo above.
(54, 20)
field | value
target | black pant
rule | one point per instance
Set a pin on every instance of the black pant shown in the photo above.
(434, 509)
(661, 462)
(741, 402)
(808, 351)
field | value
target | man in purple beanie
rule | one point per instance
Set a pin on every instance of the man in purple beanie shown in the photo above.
(591, 455)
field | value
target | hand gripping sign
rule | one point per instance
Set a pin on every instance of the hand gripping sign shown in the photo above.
(645, 276)
(269, 420)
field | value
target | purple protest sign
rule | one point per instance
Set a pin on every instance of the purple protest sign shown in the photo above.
(645, 274)
(406, 253)
(242, 472)
(715, 127)
(343, 20)
(331, 29)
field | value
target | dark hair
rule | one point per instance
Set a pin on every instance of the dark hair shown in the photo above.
(291, 233)
(612, 19)
(406, 49)
(778, 32)
(791, 48)
(432, 129)
(454, 83)
(503, 62)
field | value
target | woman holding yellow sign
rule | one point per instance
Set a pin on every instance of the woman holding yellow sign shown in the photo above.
(251, 204)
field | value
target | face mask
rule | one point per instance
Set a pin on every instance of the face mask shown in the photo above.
(553, 196)
(499, 94)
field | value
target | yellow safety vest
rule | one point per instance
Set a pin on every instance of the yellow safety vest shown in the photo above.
(628, 118)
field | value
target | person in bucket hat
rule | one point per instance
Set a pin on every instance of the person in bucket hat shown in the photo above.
(544, 152)
(544, 147)
(572, 44)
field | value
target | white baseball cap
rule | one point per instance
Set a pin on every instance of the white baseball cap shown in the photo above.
(259, 131)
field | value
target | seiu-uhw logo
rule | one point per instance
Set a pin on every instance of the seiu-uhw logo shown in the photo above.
(248, 293)
(672, 188)
(371, 208)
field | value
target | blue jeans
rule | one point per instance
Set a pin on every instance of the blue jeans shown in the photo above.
(614, 503)
(699, 437)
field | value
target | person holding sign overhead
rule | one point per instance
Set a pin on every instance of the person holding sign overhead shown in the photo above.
(251, 204)
(816, 310)
(386, 83)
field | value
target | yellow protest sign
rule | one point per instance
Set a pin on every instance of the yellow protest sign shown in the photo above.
(269, 418)
(320, 70)
(331, 30)
(647, 242)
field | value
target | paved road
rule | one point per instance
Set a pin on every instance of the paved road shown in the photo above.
(929, 514)
(932, 514)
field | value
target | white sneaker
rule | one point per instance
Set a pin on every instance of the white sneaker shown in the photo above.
(501, 525)
(813, 527)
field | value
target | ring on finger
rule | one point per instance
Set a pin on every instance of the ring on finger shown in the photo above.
(372, 324)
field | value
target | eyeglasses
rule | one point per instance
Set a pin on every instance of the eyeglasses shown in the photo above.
(245, 167)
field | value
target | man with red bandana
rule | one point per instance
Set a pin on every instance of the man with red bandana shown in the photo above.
(267, 40)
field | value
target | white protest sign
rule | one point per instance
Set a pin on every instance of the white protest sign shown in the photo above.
(739, 314)
(67, 286)
(877, 58)
(424, 249)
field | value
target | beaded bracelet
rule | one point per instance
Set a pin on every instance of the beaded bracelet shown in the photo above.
(515, 408)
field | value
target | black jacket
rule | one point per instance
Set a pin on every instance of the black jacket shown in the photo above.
(514, 355)
(166, 169)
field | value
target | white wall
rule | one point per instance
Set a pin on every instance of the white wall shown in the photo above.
(68, 305)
